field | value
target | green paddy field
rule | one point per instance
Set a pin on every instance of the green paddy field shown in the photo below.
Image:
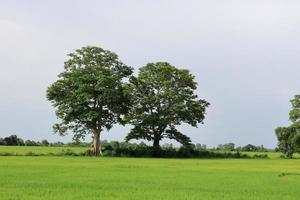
(72, 178)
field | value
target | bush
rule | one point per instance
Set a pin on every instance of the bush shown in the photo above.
(67, 152)
(125, 149)
(260, 156)
(32, 154)
(13, 140)
(2, 141)
(7, 154)
(30, 143)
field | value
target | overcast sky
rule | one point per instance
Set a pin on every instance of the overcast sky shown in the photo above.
(244, 54)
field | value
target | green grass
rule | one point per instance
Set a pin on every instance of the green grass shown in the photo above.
(22, 150)
(72, 178)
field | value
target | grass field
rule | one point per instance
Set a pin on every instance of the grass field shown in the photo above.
(55, 178)
(22, 150)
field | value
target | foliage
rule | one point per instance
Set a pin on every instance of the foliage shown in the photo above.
(289, 137)
(45, 143)
(163, 97)
(260, 156)
(252, 148)
(90, 94)
(201, 147)
(2, 141)
(295, 111)
(226, 147)
(12, 140)
(31, 143)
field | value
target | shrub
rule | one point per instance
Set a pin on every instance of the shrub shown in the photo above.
(260, 156)
(67, 152)
(7, 154)
(32, 154)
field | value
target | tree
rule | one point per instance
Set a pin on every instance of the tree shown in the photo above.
(90, 94)
(163, 97)
(45, 143)
(295, 112)
(2, 141)
(201, 147)
(226, 147)
(249, 148)
(57, 144)
(289, 137)
(20, 142)
(13, 140)
(261, 148)
(30, 143)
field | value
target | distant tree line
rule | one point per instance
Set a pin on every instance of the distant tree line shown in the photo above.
(119, 147)
(246, 148)
(253, 148)
(14, 140)
(126, 149)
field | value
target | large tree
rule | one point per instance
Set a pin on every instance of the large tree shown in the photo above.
(289, 137)
(163, 97)
(295, 111)
(90, 94)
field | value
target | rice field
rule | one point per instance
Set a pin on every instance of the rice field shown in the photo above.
(23, 150)
(66, 178)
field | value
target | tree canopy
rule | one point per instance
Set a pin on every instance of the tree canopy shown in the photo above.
(295, 111)
(162, 98)
(90, 94)
(289, 137)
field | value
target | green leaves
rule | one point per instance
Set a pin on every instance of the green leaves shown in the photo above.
(289, 137)
(92, 94)
(295, 112)
(163, 96)
(89, 94)
(173, 133)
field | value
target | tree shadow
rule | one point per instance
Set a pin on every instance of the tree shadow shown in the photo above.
(289, 174)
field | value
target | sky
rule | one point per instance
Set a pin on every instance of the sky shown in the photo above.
(245, 56)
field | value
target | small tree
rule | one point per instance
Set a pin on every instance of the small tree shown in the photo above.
(11, 140)
(30, 143)
(201, 147)
(90, 95)
(2, 141)
(162, 98)
(227, 147)
(45, 143)
(289, 137)
(250, 148)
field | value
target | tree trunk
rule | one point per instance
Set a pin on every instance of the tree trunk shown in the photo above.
(156, 147)
(290, 154)
(96, 144)
(156, 143)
